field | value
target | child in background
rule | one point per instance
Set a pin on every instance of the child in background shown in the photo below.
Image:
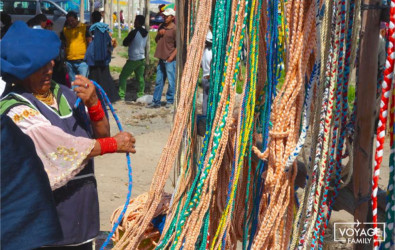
(206, 66)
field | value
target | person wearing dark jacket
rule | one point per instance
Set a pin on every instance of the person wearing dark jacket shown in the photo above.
(6, 23)
(136, 41)
(28, 213)
(98, 56)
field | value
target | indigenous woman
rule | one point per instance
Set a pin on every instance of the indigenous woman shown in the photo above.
(98, 56)
(66, 138)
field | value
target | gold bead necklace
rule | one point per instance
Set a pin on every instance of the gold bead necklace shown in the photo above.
(46, 98)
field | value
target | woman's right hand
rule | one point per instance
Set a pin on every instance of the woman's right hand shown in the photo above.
(125, 142)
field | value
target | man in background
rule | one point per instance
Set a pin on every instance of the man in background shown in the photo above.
(136, 41)
(75, 37)
(166, 52)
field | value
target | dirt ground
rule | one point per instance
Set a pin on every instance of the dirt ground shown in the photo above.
(151, 127)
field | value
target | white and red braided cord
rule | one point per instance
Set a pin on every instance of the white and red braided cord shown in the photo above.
(380, 135)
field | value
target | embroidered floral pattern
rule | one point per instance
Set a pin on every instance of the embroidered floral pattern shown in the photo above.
(68, 154)
(68, 159)
(17, 118)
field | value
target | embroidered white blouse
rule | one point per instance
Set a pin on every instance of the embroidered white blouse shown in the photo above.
(62, 154)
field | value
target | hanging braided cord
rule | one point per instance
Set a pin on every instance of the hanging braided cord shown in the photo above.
(240, 19)
(264, 107)
(319, 116)
(320, 205)
(211, 194)
(351, 42)
(131, 238)
(194, 204)
(221, 20)
(381, 127)
(320, 98)
(390, 207)
(257, 28)
(286, 107)
(245, 118)
(319, 168)
(339, 130)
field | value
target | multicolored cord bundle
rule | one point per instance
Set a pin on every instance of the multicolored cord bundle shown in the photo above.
(239, 183)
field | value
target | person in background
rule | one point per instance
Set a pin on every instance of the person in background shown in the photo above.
(114, 18)
(382, 57)
(166, 52)
(75, 37)
(98, 56)
(158, 18)
(65, 138)
(28, 214)
(122, 20)
(6, 23)
(206, 66)
(49, 25)
(382, 52)
(38, 22)
(136, 41)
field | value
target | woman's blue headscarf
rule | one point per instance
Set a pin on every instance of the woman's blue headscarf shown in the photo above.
(25, 50)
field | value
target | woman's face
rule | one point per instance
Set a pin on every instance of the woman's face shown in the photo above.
(40, 81)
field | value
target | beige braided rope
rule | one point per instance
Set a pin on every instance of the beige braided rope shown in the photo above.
(189, 78)
(282, 137)
(134, 208)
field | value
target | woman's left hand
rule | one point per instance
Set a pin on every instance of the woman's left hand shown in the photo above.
(85, 90)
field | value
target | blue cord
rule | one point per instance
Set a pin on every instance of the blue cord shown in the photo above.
(130, 184)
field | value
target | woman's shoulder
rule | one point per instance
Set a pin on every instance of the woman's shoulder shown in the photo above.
(12, 100)
(60, 89)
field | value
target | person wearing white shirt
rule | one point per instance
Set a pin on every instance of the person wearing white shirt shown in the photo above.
(206, 67)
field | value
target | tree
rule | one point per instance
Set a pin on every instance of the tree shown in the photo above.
(147, 19)
(82, 7)
(119, 19)
(128, 16)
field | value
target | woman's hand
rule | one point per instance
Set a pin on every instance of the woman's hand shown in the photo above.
(85, 90)
(125, 142)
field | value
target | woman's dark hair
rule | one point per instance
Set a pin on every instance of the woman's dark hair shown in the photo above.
(71, 14)
(6, 19)
(96, 16)
(140, 19)
(41, 18)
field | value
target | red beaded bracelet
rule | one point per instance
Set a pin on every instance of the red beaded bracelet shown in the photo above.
(96, 112)
(108, 145)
